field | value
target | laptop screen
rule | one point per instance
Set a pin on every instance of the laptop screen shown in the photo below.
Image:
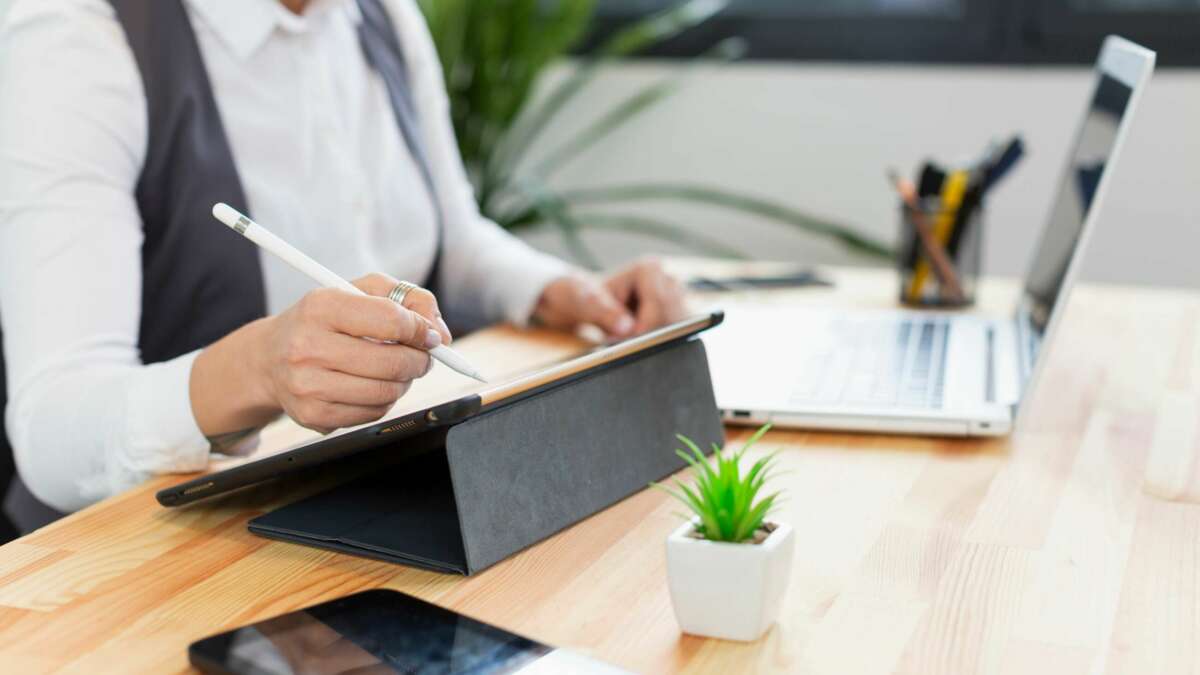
(1060, 240)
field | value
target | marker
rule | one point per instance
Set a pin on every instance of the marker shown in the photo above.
(321, 274)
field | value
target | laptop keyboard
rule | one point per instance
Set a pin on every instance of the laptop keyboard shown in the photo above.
(880, 363)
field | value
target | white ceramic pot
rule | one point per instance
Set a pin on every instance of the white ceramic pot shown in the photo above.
(728, 591)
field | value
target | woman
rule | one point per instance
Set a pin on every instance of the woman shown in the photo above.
(139, 334)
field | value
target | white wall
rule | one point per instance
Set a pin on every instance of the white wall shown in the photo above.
(818, 137)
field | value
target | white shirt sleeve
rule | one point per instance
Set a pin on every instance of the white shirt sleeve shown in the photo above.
(85, 417)
(486, 272)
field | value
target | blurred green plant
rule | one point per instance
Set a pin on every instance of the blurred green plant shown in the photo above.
(725, 500)
(493, 53)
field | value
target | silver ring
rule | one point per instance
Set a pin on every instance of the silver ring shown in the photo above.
(401, 291)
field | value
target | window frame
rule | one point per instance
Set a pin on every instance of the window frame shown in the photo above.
(1065, 35)
(999, 32)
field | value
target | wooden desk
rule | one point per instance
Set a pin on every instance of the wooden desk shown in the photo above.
(1039, 553)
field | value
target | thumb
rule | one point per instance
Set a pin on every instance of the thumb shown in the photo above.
(601, 308)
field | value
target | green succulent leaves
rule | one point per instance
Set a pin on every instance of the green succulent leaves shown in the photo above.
(726, 500)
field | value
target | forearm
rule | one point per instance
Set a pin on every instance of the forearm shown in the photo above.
(228, 388)
(489, 275)
(96, 424)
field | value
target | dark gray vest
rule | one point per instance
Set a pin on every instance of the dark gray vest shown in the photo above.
(201, 280)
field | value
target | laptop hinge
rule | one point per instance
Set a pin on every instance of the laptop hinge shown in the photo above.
(1027, 348)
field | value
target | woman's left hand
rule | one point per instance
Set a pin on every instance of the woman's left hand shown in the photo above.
(635, 299)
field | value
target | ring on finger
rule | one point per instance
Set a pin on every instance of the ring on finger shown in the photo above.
(401, 291)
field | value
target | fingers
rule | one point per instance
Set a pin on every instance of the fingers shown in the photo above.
(655, 297)
(639, 298)
(597, 305)
(337, 387)
(371, 360)
(659, 296)
(422, 302)
(376, 284)
(418, 300)
(338, 381)
(323, 373)
(368, 316)
(325, 417)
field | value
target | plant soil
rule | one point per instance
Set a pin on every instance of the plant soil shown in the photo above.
(760, 535)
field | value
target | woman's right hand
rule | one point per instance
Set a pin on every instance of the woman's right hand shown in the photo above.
(325, 376)
(312, 362)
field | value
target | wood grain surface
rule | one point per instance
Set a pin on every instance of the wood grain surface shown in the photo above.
(1040, 553)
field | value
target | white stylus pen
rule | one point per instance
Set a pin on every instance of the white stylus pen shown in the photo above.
(321, 274)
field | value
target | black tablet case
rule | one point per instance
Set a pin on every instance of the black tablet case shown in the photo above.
(506, 479)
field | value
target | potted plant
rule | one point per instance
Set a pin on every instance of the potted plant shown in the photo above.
(728, 566)
(494, 55)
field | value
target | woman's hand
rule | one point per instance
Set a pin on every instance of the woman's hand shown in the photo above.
(637, 298)
(312, 362)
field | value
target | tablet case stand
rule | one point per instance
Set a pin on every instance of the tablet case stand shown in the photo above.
(507, 479)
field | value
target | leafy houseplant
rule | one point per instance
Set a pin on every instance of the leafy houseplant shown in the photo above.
(728, 567)
(493, 53)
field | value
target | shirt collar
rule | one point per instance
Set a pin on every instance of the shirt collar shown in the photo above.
(245, 25)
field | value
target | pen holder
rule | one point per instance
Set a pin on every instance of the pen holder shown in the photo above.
(940, 256)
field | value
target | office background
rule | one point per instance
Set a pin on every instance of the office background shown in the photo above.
(818, 136)
(812, 123)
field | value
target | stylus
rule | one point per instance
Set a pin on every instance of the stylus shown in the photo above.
(321, 274)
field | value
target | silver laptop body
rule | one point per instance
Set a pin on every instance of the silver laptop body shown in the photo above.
(923, 372)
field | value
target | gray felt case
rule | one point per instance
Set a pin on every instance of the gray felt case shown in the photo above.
(509, 478)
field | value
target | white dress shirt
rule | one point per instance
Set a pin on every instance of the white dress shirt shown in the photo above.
(321, 160)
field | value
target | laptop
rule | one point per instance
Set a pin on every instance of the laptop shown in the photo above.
(923, 372)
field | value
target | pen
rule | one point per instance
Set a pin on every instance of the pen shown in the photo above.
(320, 274)
(1002, 162)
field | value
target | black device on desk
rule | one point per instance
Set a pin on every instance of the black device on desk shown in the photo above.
(380, 434)
(800, 279)
(380, 631)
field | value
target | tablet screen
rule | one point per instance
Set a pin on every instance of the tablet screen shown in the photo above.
(380, 632)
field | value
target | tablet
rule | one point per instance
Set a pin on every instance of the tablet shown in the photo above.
(382, 631)
(388, 432)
